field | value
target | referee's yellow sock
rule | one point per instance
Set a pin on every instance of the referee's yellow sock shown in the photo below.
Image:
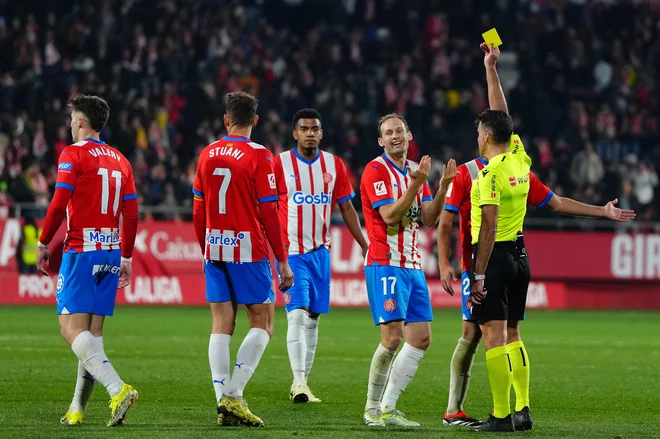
(520, 366)
(500, 376)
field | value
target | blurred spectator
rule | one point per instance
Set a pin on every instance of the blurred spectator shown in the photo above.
(579, 78)
(587, 168)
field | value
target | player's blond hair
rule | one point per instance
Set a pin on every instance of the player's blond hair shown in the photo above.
(392, 116)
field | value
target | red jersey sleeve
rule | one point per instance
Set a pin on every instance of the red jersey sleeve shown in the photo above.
(377, 185)
(426, 193)
(67, 169)
(343, 189)
(539, 194)
(264, 178)
(198, 187)
(282, 190)
(129, 213)
(458, 192)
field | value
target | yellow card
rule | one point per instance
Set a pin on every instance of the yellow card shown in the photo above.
(492, 37)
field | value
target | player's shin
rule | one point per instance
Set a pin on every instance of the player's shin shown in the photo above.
(296, 343)
(247, 359)
(84, 387)
(219, 360)
(312, 338)
(90, 353)
(520, 366)
(500, 376)
(403, 370)
(381, 364)
(461, 365)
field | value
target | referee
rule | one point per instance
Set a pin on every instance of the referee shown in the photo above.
(500, 265)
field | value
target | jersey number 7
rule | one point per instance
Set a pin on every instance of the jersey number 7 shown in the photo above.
(105, 190)
(224, 186)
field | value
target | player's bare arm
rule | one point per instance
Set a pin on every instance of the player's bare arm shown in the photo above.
(447, 272)
(569, 206)
(431, 209)
(352, 221)
(496, 99)
(393, 213)
(486, 242)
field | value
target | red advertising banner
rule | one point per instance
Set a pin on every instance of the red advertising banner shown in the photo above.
(170, 248)
(570, 269)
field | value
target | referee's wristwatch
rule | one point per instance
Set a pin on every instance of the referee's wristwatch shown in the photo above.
(479, 277)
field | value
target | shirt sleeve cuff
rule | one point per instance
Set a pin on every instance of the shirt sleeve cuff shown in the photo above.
(130, 197)
(489, 203)
(346, 198)
(377, 204)
(451, 208)
(546, 199)
(198, 193)
(427, 198)
(64, 186)
(267, 199)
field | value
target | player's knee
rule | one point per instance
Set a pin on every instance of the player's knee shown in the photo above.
(422, 341)
(471, 333)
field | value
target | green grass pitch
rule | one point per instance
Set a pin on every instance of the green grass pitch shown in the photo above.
(594, 375)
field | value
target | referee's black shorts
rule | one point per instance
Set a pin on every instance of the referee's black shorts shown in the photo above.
(507, 278)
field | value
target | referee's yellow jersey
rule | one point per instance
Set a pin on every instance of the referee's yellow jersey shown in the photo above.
(503, 182)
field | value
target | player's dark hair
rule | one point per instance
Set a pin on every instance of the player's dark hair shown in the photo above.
(306, 113)
(95, 109)
(241, 108)
(392, 116)
(497, 123)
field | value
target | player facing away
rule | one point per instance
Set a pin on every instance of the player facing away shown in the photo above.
(94, 188)
(310, 183)
(458, 202)
(395, 196)
(235, 216)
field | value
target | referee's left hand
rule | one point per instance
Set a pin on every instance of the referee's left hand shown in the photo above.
(478, 292)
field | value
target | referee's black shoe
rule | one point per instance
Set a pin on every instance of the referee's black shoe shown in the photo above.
(496, 424)
(522, 420)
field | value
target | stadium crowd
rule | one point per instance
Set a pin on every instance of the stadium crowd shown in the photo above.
(584, 97)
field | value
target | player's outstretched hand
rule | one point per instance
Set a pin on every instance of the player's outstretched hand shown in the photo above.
(448, 173)
(478, 292)
(125, 273)
(286, 276)
(491, 54)
(616, 214)
(422, 172)
(447, 274)
(43, 258)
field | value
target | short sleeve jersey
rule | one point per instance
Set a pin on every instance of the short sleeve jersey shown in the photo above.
(383, 183)
(504, 182)
(235, 175)
(308, 191)
(100, 178)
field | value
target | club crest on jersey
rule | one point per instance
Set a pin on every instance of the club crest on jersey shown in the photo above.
(287, 298)
(65, 167)
(379, 188)
(327, 177)
(223, 240)
(319, 199)
(389, 305)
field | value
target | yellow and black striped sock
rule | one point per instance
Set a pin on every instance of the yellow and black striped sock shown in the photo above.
(520, 365)
(499, 376)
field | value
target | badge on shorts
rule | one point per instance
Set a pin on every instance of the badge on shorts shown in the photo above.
(60, 283)
(389, 305)
(287, 298)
